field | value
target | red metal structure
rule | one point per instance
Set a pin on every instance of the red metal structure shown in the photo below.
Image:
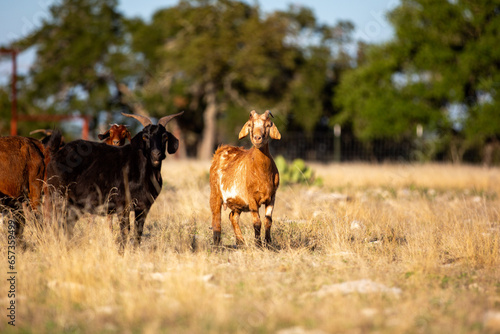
(34, 118)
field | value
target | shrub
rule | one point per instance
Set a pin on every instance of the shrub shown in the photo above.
(296, 172)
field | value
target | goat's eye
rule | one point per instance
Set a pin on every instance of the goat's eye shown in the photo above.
(145, 137)
(164, 137)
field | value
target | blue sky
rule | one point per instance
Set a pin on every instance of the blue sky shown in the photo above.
(18, 18)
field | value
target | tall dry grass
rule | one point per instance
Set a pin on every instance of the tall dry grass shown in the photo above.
(385, 248)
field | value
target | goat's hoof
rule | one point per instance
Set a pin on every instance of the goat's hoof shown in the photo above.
(268, 244)
(217, 236)
(22, 245)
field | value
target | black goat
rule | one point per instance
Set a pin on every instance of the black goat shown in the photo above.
(99, 178)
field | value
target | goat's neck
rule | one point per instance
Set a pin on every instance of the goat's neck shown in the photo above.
(144, 167)
(262, 155)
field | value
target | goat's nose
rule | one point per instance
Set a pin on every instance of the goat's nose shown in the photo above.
(156, 154)
(116, 142)
(257, 138)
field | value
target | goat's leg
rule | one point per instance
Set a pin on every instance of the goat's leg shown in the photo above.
(19, 223)
(269, 220)
(257, 227)
(124, 218)
(234, 217)
(216, 206)
(140, 217)
(54, 206)
(254, 210)
(71, 219)
(109, 218)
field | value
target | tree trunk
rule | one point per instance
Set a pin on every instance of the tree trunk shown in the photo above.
(176, 131)
(206, 147)
(128, 99)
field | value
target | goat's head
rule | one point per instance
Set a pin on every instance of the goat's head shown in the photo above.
(260, 128)
(116, 135)
(48, 135)
(155, 138)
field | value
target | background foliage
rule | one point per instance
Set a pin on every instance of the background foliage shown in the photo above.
(219, 59)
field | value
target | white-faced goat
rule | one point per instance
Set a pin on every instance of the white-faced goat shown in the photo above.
(243, 180)
(92, 176)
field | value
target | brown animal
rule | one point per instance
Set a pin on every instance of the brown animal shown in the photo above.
(243, 180)
(116, 135)
(23, 164)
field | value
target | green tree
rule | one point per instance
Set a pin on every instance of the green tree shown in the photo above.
(5, 107)
(440, 70)
(81, 57)
(214, 56)
(220, 59)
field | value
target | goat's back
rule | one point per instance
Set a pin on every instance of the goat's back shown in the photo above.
(227, 158)
(92, 174)
(88, 168)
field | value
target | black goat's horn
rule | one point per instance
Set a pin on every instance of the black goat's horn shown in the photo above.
(143, 119)
(165, 119)
(44, 131)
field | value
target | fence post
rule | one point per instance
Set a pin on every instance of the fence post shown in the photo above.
(337, 154)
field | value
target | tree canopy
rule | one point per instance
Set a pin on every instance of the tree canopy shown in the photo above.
(219, 59)
(80, 56)
(441, 71)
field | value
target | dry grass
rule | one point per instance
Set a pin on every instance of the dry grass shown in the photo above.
(387, 249)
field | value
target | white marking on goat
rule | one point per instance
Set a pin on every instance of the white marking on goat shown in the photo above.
(234, 190)
(269, 210)
(229, 193)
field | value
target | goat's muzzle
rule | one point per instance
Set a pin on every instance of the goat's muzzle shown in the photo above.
(257, 141)
(156, 158)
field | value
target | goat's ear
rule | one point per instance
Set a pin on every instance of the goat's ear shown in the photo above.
(274, 133)
(172, 143)
(244, 130)
(104, 135)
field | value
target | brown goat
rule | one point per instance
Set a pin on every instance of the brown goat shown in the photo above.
(23, 172)
(244, 180)
(116, 135)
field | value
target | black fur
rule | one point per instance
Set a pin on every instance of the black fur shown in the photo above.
(99, 178)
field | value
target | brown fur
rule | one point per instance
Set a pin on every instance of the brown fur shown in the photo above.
(22, 168)
(243, 180)
(22, 174)
(116, 135)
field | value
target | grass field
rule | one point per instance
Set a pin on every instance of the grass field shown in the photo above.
(377, 248)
